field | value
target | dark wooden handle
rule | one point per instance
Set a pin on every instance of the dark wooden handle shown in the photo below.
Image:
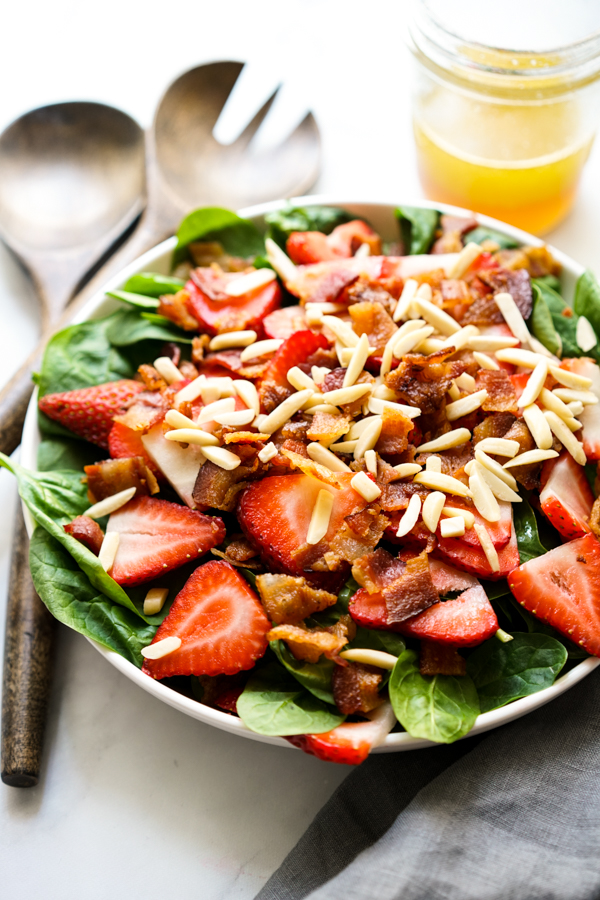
(28, 651)
(14, 399)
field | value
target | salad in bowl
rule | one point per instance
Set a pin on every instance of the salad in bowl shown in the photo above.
(329, 477)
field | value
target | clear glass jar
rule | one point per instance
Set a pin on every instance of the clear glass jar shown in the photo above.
(501, 128)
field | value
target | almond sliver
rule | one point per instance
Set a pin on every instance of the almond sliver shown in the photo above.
(585, 334)
(533, 456)
(467, 516)
(325, 457)
(568, 395)
(433, 464)
(108, 550)
(432, 509)
(465, 405)
(267, 452)
(222, 458)
(570, 379)
(499, 471)
(404, 470)
(538, 426)
(110, 504)
(483, 498)
(440, 320)
(499, 446)
(566, 437)
(363, 485)
(447, 441)
(485, 361)
(488, 547)
(534, 385)
(161, 648)
(465, 259)
(232, 339)
(250, 282)
(368, 438)
(410, 517)
(247, 392)
(498, 487)
(406, 298)
(370, 657)
(155, 600)
(167, 369)
(285, 411)
(260, 348)
(360, 355)
(192, 436)
(440, 482)
(280, 261)
(346, 394)
(319, 520)
(453, 527)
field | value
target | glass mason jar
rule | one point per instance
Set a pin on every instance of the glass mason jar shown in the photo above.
(501, 128)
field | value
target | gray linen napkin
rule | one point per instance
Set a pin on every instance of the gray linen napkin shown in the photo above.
(512, 815)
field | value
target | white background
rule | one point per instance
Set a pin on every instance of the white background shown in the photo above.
(137, 800)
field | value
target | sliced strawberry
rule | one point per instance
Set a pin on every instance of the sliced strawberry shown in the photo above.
(369, 610)
(156, 536)
(124, 442)
(347, 238)
(499, 532)
(463, 622)
(220, 622)
(473, 559)
(285, 322)
(306, 247)
(275, 513)
(293, 352)
(567, 498)
(562, 587)
(89, 412)
(590, 417)
(216, 311)
(350, 742)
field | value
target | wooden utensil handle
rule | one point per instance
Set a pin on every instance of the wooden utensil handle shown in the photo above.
(28, 653)
(14, 399)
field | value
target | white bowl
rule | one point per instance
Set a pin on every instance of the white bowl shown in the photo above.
(381, 216)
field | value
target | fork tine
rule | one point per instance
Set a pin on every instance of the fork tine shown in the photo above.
(254, 124)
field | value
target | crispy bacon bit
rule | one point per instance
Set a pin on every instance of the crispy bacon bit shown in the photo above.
(199, 345)
(147, 408)
(412, 592)
(372, 319)
(528, 476)
(288, 600)
(188, 370)
(218, 488)
(517, 283)
(493, 426)
(394, 432)
(454, 292)
(174, 307)
(241, 550)
(440, 659)
(345, 627)
(366, 291)
(501, 392)
(452, 228)
(355, 408)
(292, 430)
(356, 688)
(308, 644)
(483, 311)
(228, 359)
(423, 380)
(323, 282)
(87, 532)
(245, 437)
(595, 517)
(396, 495)
(151, 378)
(452, 460)
(310, 467)
(375, 570)
(325, 427)
(205, 253)
(540, 262)
(113, 475)
(360, 534)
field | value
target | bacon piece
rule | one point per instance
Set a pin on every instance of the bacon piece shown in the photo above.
(395, 429)
(501, 391)
(493, 426)
(325, 281)
(113, 475)
(356, 688)
(424, 380)
(218, 488)
(199, 345)
(359, 534)
(517, 283)
(308, 644)
(528, 476)
(148, 408)
(372, 319)
(366, 291)
(412, 592)
(440, 659)
(454, 292)
(453, 228)
(310, 467)
(174, 307)
(151, 378)
(245, 437)
(325, 427)
(228, 359)
(205, 253)
(396, 495)
(288, 600)
(87, 532)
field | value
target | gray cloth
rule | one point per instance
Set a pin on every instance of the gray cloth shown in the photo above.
(512, 815)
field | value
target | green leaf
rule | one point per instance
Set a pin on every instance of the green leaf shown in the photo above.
(440, 708)
(332, 614)
(550, 281)
(274, 703)
(418, 227)
(315, 677)
(374, 639)
(138, 300)
(283, 222)
(152, 285)
(537, 626)
(542, 325)
(129, 327)
(564, 325)
(211, 223)
(74, 601)
(481, 233)
(58, 453)
(587, 299)
(526, 529)
(504, 672)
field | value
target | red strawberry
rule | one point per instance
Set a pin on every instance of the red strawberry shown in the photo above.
(499, 532)
(216, 311)
(157, 536)
(562, 587)
(351, 742)
(89, 412)
(124, 442)
(275, 514)
(369, 610)
(463, 622)
(590, 417)
(306, 247)
(283, 323)
(221, 624)
(347, 238)
(567, 498)
(294, 351)
(473, 559)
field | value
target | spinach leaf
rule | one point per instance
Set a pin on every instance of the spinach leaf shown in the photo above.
(439, 708)
(526, 528)
(315, 677)
(564, 319)
(152, 285)
(504, 672)
(587, 299)
(550, 281)
(418, 227)
(274, 703)
(212, 223)
(71, 598)
(332, 614)
(537, 626)
(374, 639)
(128, 327)
(542, 325)
(283, 222)
(482, 233)
(56, 453)
(133, 299)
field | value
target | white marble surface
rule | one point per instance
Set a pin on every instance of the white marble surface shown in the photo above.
(137, 799)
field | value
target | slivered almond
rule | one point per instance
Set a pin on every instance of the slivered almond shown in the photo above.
(404, 470)
(433, 464)
(360, 355)
(319, 520)
(178, 420)
(368, 438)
(404, 343)
(424, 292)
(534, 385)
(554, 403)
(430, 345)
(576, 407)
(485, 361)
(488, 547)
(498, 487)
(326, 308)
(110, 504)
(207, 413)
(512, 316)
(322, 407)
(370, 658)
(371, 461)
(585, 334)
(247, 392)
(383, 392)
(454, 391)
(358, 427)
(346, 394)
(363, 485)
(447, 441)
(285, 411)
(167, 369)
(490, 343)
(108, 550)
(260, 348)
(319, 373)
(222, 458)
(232, 339)
(533, 456)
(237, 417)
(192, 436)
(437, 481)
(432, 510)
(267, 452)
(341, 330)
(410, 517)
(444, 323)
(499, 471)
(376, 406)
(465, 405)
(161, 648)
(453, 527)
(469, 467)
(191, 391)
(570, 379)
(499, 446)
(461, 338)
(325, 457)
(573, 424)
(568, 395)
(155, 600)
(280, 261)
(464, 514)
(566, 437)
(344, 446)
(465, 259)
(300, 380)
(250, 282)
(313, 315)
(538, 426)
(483, 498)
(516, 356)
(406, 298)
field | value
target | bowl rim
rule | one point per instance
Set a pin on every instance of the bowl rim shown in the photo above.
(396, 741)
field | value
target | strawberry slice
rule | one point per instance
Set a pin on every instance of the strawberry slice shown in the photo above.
(345, 239)
(473, 559)
(463, 622)
(283, 323)
(293, 352)
(590, 417)
(306, 247)
(221, 624)
(124, 442)
(217, 311)
(157, 536)
(500, 532)
(567, 498)
(275, 513)
(350, 742)
(562, 587)
(89, 412)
